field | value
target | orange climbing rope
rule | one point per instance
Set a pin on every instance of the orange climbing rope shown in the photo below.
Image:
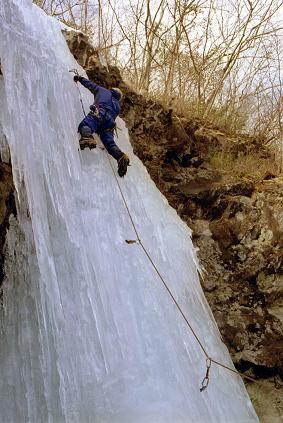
(209, 360)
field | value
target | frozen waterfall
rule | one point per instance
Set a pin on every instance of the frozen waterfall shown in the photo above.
(87, 331)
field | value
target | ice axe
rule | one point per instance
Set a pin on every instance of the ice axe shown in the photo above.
(75, 71)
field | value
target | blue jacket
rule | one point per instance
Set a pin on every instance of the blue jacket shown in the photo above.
(103, 98)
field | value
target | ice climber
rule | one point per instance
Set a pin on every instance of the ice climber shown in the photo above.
(101, 120)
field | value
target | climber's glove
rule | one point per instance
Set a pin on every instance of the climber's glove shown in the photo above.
(77, 78)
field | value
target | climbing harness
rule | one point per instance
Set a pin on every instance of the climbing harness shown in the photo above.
(94, 111)
(209, 360)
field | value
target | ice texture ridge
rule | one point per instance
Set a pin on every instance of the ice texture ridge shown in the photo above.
(87, 331)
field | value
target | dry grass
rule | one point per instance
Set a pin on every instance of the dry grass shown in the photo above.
(249, 165)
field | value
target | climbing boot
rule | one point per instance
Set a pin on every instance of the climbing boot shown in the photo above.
(89, 142)
(123, 163)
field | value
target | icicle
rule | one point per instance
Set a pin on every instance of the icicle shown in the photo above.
(88, 332)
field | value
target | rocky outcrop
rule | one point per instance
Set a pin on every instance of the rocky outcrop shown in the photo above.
(7, 206)
(7, 200)
(244, 284)
(237, 220)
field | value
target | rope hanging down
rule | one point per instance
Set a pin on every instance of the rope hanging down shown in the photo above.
(81, 100)
(209, 360)
(80, 94)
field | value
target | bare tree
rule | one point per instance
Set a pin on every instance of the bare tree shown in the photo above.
(217, 59)
(75, 13)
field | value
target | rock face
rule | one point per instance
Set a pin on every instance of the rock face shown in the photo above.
(7, 206)
(237, 224)
(247, 294)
